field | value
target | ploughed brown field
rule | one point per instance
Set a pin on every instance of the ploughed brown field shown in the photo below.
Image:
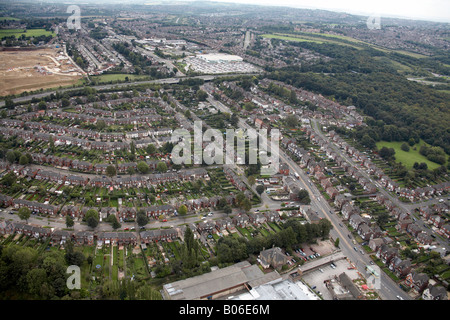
(28, 70)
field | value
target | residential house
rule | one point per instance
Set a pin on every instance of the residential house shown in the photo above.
(417, 281)
(355, 220)
(273, 257)
(435, 293)
(386, 253)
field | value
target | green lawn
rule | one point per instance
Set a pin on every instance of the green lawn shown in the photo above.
(29, 33)
(117, 77)
(290, 38)
(408, 158)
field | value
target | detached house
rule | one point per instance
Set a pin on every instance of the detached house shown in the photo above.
(417, 281)
(386, 253)
(273, 257)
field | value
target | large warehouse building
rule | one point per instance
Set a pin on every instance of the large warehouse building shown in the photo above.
(219, 58)
(219, 283)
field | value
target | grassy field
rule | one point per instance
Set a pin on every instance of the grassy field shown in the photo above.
(28, 33)
(408, 158)
(117, 77)
(336, 39)
(9, 18)
(290, 38)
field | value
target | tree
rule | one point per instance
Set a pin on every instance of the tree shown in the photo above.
(115, 224)
(368, 141)
(251, 180)
(161, 166)
(51, 143)
(141, 218)
(42, 105)
(24, 213)
(151, 149)
(142, 167)
(11, 156)
(111, 171)
(65, 102)
(405, 147)
(246, 204)
(101, 124)
(227, 209)
(303, 197)
(201, 95)
(92, 222)
(260, 189)
(69, 221)
(387, 153)
(23, 160)
(189, 250)
(336, 243)
(133, 150)
(92, 218)
(293, 97)
(9, 103)
(291, 121)
(182, 210)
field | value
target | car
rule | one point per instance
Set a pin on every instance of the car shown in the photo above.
(132, 228)
(371, 262)
(399, 298)
(210, 214)
(321, 270)
(203, 218)
(355, 249)
(441, 200)
(349, 236)
(164, 220)
(332, 266)
(142, 228)
(126, 229)
(317, 254)
(340, 224)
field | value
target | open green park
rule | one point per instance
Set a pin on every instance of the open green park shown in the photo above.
(408, 158)
(28, 33)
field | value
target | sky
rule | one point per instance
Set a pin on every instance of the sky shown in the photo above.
(435, 10)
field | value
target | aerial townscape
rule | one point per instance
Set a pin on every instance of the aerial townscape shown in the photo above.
(93, 96)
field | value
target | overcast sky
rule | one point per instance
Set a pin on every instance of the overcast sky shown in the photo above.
(436, 10)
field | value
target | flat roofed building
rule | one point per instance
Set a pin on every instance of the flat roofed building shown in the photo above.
(218, 283)
(219, 57)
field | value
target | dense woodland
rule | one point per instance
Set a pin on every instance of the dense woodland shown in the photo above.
(400, 109)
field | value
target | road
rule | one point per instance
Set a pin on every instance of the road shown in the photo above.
(406, 207)
(389, 289)
(120, 85)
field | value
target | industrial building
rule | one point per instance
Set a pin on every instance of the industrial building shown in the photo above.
(219, 283)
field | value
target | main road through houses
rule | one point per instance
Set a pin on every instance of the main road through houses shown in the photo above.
(120, 85)
(388, 288)
(406, 207)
